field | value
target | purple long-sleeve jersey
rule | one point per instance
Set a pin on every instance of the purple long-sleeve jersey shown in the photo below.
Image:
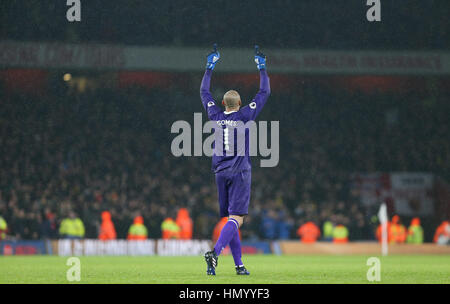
(239, 161)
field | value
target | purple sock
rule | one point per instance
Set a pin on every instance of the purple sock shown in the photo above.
(227, 233)
(235, 246)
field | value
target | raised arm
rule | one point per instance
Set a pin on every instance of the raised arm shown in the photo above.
(264, 87)
(264, 84)
(205, 95)
(253, 109)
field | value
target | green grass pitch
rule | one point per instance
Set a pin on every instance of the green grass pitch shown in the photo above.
(268, 269)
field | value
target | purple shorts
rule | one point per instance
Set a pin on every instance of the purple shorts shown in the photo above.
(234, 192)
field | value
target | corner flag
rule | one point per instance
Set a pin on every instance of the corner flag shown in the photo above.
(382, 216)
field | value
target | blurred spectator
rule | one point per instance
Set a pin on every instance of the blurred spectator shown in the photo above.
(308, 233)
(328, 231)
(397, 230)
(48, 226)
(284, 229)
(107, 230)
(3, 228)
(137, 231)
(340, 234)
(415, 232)
(284, 225)
(170, 229)
(269, 225)
(184, 221)
(71, 227)
(442, 234)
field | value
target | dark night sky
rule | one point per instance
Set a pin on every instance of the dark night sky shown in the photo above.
(406, 24)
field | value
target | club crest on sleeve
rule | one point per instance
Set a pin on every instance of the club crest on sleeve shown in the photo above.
(210, 104)
(252, 105)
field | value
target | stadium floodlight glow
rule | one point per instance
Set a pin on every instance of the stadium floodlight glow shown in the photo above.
(67, 77)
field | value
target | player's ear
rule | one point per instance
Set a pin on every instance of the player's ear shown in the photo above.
(223, 102)
(240, 103)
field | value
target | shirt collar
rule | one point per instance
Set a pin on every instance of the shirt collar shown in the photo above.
(225, 112)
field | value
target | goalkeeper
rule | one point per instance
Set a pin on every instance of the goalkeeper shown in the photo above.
(232, 172)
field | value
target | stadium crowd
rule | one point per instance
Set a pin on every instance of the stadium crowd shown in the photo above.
(108, 149)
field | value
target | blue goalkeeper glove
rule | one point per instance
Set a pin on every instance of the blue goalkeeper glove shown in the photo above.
(260, 59)
(212, 58)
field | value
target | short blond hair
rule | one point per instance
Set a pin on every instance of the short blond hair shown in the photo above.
(231, 99)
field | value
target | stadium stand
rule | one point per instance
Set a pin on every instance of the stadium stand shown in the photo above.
(109, 149)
